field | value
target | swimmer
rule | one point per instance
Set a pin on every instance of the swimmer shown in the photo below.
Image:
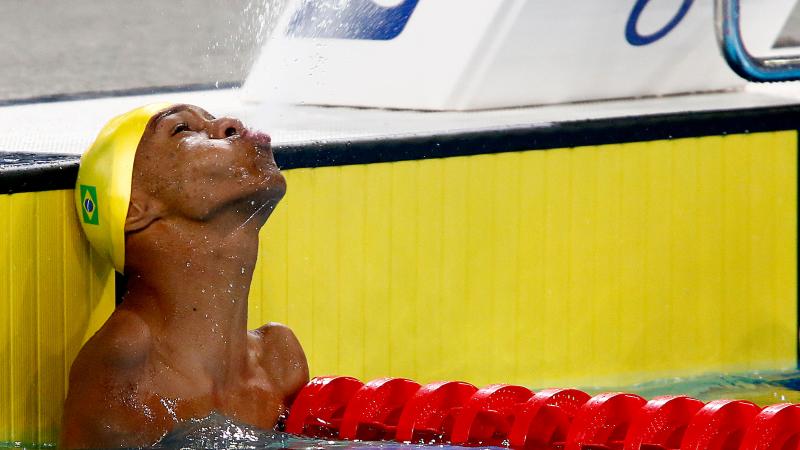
(177, 347)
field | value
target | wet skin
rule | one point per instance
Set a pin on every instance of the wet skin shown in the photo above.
(177, 347)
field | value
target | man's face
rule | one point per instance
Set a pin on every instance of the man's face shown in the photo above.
(198, 165)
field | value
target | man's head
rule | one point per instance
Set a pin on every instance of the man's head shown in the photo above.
(172, 162)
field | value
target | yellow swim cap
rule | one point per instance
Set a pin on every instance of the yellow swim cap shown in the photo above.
(103, 188)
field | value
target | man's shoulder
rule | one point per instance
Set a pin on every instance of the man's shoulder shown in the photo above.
(276, 332)
(122, 343)
(282, 356)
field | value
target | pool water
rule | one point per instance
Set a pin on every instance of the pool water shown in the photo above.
(218, 432)
(763, 388)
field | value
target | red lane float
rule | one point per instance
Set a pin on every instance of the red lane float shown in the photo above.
(662, 423)
(554, 419)
(720, 425)
(544, 420)
(430, 413)
(603, 421)
(775, 428)
(318, 408)
(487, 416)
(375, 408)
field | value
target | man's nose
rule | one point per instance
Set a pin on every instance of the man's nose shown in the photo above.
(225, 127)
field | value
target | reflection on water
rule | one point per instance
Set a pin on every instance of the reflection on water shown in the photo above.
(763, 388)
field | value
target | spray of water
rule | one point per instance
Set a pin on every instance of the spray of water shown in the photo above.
(250, 26)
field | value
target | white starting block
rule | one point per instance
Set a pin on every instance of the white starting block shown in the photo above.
(481, 54)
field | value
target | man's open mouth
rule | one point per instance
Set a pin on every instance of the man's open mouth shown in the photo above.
(260, 139)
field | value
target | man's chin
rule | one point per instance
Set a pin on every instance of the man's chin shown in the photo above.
(273, 187)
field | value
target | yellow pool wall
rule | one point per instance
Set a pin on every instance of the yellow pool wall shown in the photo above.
(603, 265)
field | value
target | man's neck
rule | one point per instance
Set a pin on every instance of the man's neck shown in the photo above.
(190, 283)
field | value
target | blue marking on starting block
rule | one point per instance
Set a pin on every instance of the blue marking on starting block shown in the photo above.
(632, 34)
(350, 19)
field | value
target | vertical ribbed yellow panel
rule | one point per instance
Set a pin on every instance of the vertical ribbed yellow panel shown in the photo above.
(300, 288)
(323, 271)
(24, 312)
(50, 368)
(403, 249)
(52, 297)
(377, 320)
(531, 269)
(429, 287)
(506, 288)
(6, 323)
(452, 269)
(607, 260)
(350, 268)
(605, 264)
(478, 304)
(784, 242)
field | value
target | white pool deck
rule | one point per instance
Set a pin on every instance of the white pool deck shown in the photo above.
(69, 127)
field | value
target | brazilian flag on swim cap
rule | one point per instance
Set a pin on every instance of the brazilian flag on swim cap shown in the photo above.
(103, 188)
(89, 196)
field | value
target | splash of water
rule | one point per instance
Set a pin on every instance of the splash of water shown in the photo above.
(250, 28)
(218, 432)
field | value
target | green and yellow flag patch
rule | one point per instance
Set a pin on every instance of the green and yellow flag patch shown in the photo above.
(89, 203)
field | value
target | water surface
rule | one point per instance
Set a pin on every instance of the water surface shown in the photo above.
(217, 432)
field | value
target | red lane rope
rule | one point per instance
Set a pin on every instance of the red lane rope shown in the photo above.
(454, 412)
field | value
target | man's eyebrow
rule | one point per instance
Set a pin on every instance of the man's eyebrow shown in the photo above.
(167, 112)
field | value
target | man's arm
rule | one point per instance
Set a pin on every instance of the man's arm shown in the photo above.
(95, 411)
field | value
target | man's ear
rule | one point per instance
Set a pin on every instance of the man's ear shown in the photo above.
(142, 211)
